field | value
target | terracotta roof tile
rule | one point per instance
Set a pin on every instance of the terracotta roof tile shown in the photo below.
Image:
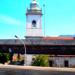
(58, 38)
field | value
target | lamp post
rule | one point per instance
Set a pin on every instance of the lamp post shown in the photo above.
(25, 61)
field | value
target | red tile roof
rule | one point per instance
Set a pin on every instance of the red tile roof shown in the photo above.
(58, 38)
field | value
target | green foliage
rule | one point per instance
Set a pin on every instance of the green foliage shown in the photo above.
(41, 60)
(7, 55)
(1, 54)
(4, 57)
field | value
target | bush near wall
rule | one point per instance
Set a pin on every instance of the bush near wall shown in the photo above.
(41, 60)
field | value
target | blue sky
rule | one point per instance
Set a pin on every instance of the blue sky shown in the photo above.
(60, 17)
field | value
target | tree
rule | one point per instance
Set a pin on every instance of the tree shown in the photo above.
(41, 60)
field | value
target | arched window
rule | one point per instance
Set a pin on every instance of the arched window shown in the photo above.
(33, 23)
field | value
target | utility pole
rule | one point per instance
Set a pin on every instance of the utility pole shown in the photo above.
(44, 18)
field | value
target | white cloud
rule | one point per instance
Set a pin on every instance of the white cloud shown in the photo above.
(9, 20)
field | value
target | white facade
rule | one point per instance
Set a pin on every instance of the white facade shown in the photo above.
(29, 60)
(34, 21)
(33, 31)
(60, 61)
(29, 20)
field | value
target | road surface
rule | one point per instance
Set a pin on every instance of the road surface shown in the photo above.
(29, 70)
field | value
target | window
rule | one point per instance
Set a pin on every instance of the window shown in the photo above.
(33, 23)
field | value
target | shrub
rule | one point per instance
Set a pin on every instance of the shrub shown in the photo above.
(41, 60)
(4, 57)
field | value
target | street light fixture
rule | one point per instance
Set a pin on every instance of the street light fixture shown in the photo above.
(25, 61)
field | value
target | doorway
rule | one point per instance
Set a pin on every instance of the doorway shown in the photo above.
(51, 62)
(66, 63)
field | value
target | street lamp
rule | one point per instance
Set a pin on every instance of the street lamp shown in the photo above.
(25, 61)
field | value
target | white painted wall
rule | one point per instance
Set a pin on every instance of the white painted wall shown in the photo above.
(29, 20)
(34, 32)
(72, 62)
(59, 61)
(30, 31)
(29, 59)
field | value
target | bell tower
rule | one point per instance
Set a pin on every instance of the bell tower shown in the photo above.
(34, 20)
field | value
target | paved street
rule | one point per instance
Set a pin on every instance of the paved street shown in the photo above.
(29, 70)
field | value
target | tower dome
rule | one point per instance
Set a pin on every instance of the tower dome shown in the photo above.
(34, 8)
(34, 5)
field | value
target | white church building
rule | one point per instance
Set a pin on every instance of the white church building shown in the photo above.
(34, 30)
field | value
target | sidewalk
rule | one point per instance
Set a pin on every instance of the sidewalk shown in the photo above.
(30, 70)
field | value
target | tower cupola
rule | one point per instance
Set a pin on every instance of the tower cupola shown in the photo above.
(34, 8)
